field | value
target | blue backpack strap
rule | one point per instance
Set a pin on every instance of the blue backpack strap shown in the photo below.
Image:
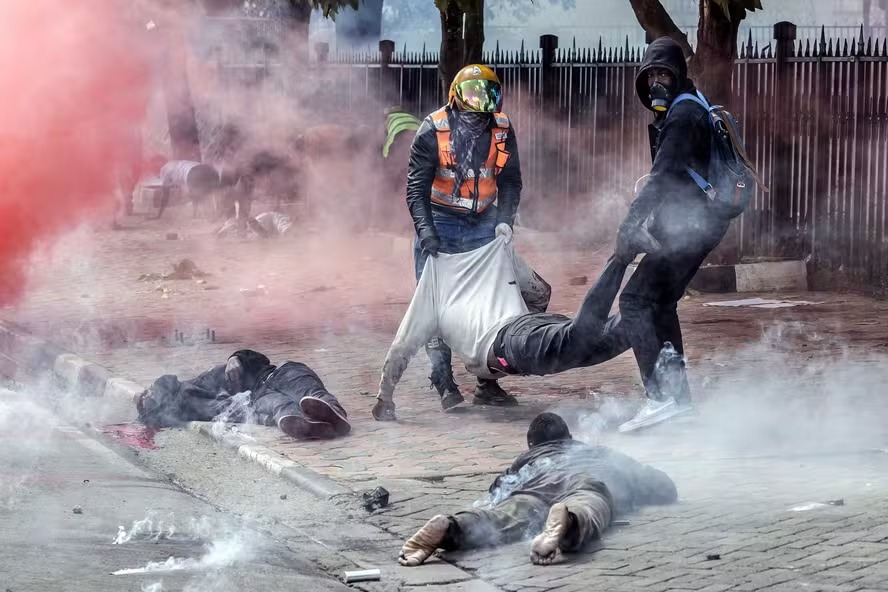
(701, 182)
(697, 98)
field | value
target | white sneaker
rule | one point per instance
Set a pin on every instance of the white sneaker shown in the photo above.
(653, 412)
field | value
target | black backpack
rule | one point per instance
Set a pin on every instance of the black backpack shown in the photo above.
(729, 183)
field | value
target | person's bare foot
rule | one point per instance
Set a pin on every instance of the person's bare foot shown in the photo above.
(546, 547)
(425, 542)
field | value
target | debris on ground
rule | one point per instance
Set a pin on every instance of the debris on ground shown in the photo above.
(364, 575)
(283, 496)
(713, 557)
(78, 510)
(186, 269)
(259, 290)
(815, 505)
(580, 280)
(375, 499)
(762, 303)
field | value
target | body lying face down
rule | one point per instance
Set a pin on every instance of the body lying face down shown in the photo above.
(565, 490)
(248, 388)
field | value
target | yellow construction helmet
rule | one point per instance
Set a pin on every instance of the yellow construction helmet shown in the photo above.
(476, 88)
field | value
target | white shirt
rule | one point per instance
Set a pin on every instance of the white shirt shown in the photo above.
(465, 299)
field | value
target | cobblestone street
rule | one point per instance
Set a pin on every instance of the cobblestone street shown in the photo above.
(789, 401)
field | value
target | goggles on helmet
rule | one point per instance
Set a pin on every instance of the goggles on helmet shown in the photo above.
(484, 96)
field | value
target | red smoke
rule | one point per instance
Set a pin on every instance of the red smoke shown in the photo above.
(74, 82)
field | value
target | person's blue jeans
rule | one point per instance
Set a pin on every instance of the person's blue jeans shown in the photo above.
(457, 234)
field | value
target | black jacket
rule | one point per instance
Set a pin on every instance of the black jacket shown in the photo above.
(171, 402)
(553, 469)
(421, 174)
(682, 219)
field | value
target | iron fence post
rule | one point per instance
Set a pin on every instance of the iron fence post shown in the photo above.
(785, 239)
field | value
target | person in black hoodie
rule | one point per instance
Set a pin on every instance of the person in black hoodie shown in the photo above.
(568, 489)
(676, 213)
(247, 387)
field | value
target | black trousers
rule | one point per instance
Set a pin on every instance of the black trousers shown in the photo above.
(521, 516)
(538, 344)
(649, 302)
(280, 394)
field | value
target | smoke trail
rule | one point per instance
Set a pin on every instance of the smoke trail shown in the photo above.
(74, 79)
(149, 527)
(227, 548)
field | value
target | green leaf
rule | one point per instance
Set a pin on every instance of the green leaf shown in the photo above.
(745, 5)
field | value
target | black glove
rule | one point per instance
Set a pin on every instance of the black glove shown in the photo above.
(431, 245)
(633, 239)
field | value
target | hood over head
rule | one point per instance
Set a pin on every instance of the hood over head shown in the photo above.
(663, 53)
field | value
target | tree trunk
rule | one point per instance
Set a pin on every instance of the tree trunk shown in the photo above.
(296, 22)
(654, 19)
(452, 56)
(474, 36)
(713, 63)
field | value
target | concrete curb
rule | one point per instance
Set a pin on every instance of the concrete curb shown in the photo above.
(306, 479)
(766, 276)
(28, 359)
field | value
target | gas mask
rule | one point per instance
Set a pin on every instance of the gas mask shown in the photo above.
(661, 97)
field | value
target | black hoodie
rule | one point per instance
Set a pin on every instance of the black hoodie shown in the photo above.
(682, 220)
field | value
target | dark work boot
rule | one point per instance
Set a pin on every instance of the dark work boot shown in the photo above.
(442, 374)
(447, 389)
(489, 392)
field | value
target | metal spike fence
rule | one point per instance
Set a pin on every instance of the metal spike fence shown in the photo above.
(814, 117)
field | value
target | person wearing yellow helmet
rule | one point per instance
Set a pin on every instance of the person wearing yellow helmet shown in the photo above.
(463, 190)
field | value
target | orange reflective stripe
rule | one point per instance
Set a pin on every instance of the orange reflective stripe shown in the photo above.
(443, 187)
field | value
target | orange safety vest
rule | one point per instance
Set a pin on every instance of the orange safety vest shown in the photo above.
(476, 193)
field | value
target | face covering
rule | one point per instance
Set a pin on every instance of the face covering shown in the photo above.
(661, 97)
(469, 126)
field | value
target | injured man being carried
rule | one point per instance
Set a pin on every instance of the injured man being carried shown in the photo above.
(472, 300)
(248, 388)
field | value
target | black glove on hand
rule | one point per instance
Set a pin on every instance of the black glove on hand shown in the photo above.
(632, 240)
(431, 245)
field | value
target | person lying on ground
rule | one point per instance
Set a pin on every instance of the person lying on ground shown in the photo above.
(247, 387)
(473, 302)
(569, 490)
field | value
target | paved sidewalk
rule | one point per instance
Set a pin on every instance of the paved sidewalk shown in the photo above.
(790, 401)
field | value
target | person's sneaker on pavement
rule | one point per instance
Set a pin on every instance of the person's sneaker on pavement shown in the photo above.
(319, 410)
(654, 412)
(306, 429)
(489, 392)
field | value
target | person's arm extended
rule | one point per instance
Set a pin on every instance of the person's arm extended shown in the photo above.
(509, 184)
(649, 486)
(420, 176)
(681, 135)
